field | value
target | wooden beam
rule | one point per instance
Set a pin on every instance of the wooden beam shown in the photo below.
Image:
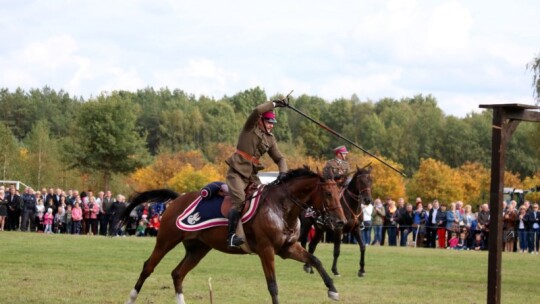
(524, 116)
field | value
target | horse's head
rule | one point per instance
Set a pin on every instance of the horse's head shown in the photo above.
(307, 188)
(361, 184)
(326, 201)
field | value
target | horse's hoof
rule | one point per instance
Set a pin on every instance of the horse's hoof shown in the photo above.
(333, 295)
(361, 273)
(336, 273)
(308, 269)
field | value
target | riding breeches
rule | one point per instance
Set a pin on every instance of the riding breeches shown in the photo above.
(237, 185)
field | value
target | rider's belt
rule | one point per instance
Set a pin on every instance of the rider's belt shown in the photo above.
(248, 156)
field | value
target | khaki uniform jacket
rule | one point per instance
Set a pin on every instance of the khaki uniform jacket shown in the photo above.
(336, 168)
(256, 143)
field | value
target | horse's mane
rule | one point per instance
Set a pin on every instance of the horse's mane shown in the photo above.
(299, 172)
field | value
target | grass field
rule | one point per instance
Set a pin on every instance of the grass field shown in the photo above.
(37, 268)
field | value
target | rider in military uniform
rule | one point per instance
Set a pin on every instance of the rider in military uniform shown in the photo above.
(338, 167)
(255, 140)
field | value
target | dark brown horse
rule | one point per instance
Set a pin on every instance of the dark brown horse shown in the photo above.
(273, 230)
(358, 191)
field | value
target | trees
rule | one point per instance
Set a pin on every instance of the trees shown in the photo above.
(8, 153)
(534, 66)
(105, 140)
(435, 180)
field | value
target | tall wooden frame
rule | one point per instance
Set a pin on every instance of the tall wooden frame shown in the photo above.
(506, 118)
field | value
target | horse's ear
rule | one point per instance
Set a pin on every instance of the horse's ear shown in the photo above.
(367, 166)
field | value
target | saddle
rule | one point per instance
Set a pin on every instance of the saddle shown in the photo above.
(227, 200)
(211, 207)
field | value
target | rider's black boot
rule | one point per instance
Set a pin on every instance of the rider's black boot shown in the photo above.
(233, 241)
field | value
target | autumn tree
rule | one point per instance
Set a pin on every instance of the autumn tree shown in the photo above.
(189, 179)
(435, 180)
(475, 180)
(105, 140)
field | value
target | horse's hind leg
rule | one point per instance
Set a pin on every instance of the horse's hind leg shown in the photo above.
(296, 252)
(162, 247)
(195, 252)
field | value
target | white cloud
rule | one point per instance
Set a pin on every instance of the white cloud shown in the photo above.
(455, 50)
(449, 28)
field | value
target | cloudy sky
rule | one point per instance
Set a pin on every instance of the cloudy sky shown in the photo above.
(464, 53)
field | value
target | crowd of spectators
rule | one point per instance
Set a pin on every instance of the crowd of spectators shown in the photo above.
(452, 226)
(437, 225)
(70, 212)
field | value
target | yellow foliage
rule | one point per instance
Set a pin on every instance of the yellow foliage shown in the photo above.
(386, 182)
(165, 167)
(531, 182)
(533, 197)
(512, 180)
(475, 180)
(188, 179)
(23, 153)
(436, 180)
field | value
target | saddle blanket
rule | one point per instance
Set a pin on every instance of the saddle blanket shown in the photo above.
(205, 212)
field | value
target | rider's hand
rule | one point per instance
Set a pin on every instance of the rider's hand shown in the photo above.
(280, 103)
(281, 176)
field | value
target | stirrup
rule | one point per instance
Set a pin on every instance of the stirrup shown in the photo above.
(235, 241)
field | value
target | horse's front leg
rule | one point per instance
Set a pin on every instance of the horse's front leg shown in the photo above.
(296, 252)
(358, 235)
(267, 260)
(338, 234)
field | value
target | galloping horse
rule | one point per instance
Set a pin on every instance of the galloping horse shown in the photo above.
(358, 191)
(273, 230)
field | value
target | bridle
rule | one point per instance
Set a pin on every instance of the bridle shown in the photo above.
(319, 187)
(356, 198)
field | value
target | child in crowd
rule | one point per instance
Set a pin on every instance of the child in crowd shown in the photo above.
(462, 243)
(478, 243)
(453, 242)
(48, 219)
(141, 228)
(76, 217)
(68, 218)
(153, 225)
(59, 220)
(40, 212)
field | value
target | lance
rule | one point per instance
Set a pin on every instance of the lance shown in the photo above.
(325, 127)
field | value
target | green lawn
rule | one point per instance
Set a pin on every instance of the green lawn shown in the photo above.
(37, 268)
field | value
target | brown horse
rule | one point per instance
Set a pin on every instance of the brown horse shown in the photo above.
(358, 191)
(273, 230)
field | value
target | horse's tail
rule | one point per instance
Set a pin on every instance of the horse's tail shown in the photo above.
(160, 195)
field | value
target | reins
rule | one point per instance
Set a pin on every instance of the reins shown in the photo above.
(305, 206)
(355, 197)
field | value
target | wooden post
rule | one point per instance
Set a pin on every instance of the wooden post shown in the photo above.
(498, 148)
(506, 118)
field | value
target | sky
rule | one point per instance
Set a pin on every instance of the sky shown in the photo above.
(463, 53)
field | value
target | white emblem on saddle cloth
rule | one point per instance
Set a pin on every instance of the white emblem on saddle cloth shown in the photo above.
(192, 220)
